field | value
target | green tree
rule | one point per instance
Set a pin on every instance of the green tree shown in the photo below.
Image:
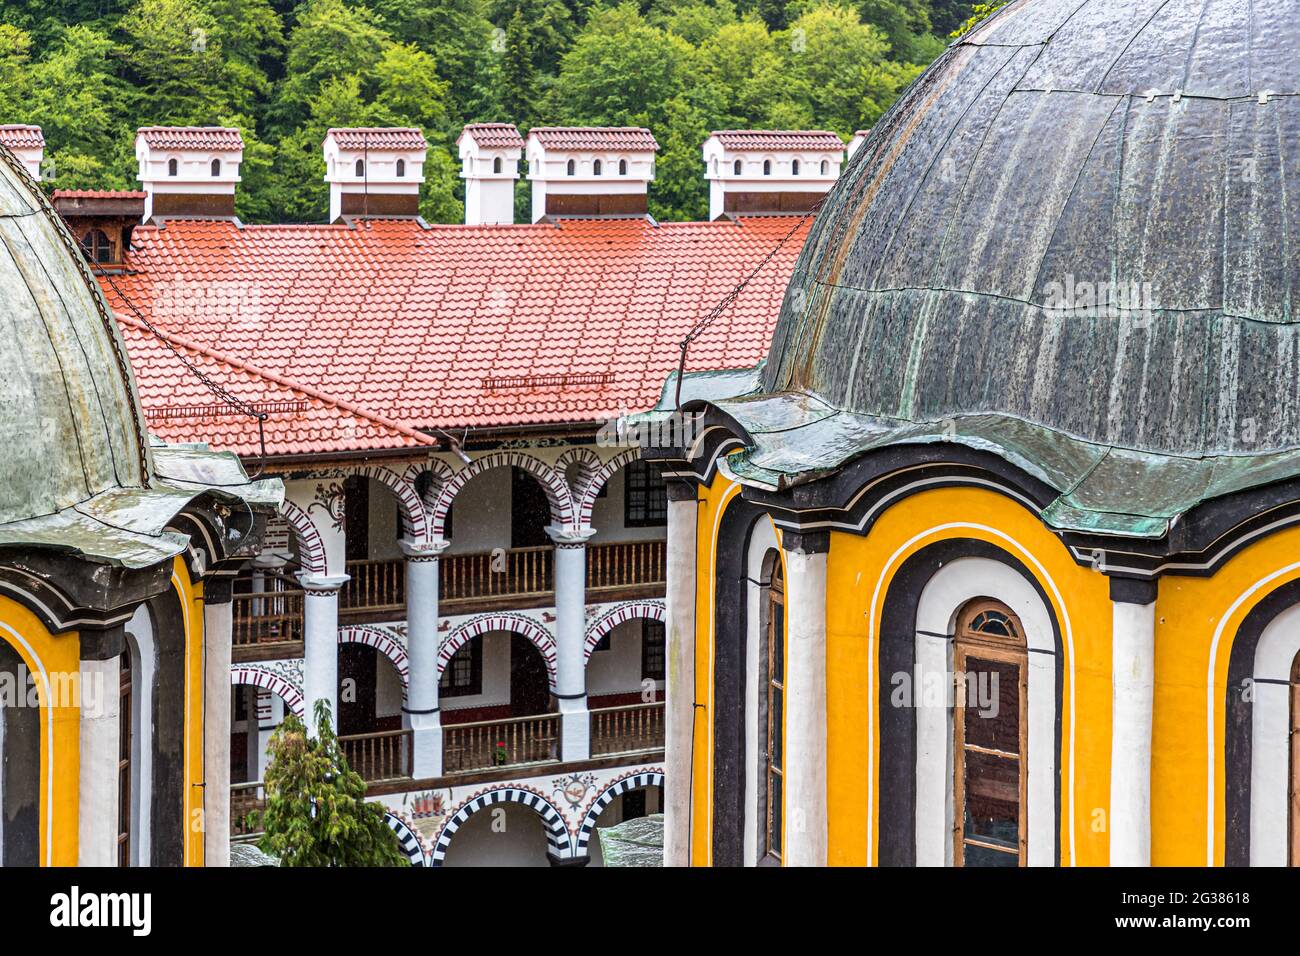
(316, 812)
(979, 13)
(331, 40)
(174, 62)
(518, 78)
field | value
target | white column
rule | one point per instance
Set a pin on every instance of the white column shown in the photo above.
(273, 719)
(320, 627)
(934, 795)
(570, 634)
(420, 712)
(97, 819)
(679, 708)
(218, 622)
(805, 707)
(1132, 688)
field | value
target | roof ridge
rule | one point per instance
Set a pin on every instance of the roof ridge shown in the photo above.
(277, 379)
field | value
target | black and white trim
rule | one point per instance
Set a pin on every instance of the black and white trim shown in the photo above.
(560, 846)
(406, 838)
(634, 781)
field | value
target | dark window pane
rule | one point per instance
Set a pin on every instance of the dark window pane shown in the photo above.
(992, 704)
(983, 856)
(778, 643)
(777, 717)
(992, 799)
(774, 814)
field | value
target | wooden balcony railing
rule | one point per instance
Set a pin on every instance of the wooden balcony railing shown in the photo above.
(377, 588)
(624, 564)
(385, 755)
(629, 729)
(500, 743)
(267, 617)
(246, 800)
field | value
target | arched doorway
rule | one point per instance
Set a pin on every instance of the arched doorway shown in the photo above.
(628, 799)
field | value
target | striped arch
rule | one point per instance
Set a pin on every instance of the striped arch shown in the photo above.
(441, 472)
(633, 781)
(406, 839)
(311, 547)
(652, 610)
(268, 679)
(591, 487)
(588, 463)
(415, 521)
(384, 642)
(520, 624)
(560, 846)
(553, 483)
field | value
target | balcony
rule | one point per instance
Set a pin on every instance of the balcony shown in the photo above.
(268, 623)
(488, 744)
(635, 728)
(383, 755)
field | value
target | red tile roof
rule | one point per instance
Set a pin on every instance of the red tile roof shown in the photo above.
(493, 135)
(301, 420)
(99, 194)
(192, 137)
(375, 137)
(778, 139)
(594, 137)
(465, 325)
(18, 136)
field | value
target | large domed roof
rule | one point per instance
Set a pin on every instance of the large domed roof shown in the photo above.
(72, 427)
(79, 472)
(1085, 215)
(1072, 242)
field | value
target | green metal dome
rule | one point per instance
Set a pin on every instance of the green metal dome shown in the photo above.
(79, 472)
(1073, 242)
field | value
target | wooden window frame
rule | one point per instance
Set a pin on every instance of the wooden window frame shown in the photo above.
(991, 647)
(475, 684)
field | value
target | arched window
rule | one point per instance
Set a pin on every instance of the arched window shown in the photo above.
(622, 167)
(96, 246)
(990, 672)
(767, 167)
(496, 164)
(360, 168)
(772, 716)
(596, 167)
(825, 167)
(571, 168)
(172, 167)
(794, 167)
(736, 167)
(216, 167)
(401, 167)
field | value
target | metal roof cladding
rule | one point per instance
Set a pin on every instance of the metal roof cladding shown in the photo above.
(1072, 241)
(78, 471)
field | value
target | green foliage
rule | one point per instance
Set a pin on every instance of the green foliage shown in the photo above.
(285, 71)
(979, 13)
(316, 812)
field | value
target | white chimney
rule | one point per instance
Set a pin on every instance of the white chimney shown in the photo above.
(489, 164)
(590, 170)
(374, 172)
(856, 142)
(27, 143)
(761, 172)
(188, 172)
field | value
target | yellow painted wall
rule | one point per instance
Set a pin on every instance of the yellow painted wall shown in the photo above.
(1196, 622)
(45, 656)
(191, 598)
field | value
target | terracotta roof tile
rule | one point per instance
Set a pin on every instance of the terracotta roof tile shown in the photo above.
(192, 137)
(778, 139)
(376, 137)
(19, 136)
(493, 135)
(99, 194)
(300, 420)
(594, 137)
(408, 321)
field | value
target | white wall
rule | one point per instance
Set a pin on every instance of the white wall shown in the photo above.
(618, 670)
(496, 676)
(504, 834)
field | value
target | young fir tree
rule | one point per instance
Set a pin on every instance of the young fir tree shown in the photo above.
(316, 812)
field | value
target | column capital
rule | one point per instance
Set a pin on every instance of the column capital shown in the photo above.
(805, 542)
(423, 550)
(269, 562)
(314, 583)
(570, 536)
(1133, 590)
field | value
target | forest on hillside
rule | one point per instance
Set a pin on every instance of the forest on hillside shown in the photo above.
(90, 71)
